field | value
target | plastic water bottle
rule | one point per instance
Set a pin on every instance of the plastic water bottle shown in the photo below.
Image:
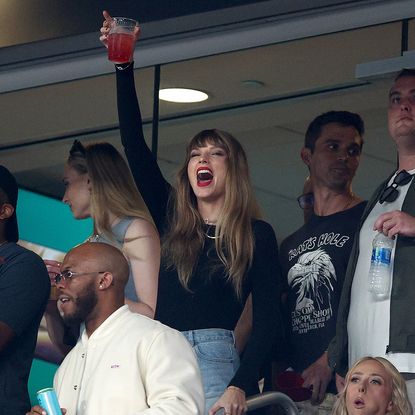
(380, 266)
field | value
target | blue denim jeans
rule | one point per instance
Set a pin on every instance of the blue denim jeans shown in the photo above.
(218, 360)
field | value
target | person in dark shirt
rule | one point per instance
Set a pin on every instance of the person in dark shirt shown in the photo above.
(216, 250)
(24, 292)
(315, 257)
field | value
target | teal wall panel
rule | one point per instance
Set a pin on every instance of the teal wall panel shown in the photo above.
(41, 376)
(49, 222)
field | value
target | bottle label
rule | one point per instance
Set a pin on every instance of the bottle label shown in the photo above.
(381, 256)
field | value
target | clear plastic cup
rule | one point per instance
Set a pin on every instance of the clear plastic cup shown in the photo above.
(121, 40)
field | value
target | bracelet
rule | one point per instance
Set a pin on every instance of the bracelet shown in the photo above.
(123, 66)
(236, 389)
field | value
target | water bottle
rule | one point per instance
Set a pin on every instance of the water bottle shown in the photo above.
(380, 266)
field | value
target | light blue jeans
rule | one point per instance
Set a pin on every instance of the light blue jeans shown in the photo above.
(218, 360)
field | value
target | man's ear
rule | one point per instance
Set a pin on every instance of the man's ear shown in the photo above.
(6, 211)
(106, 280)
(306, 155)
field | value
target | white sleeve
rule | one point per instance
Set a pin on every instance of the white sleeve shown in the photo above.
(171, 377)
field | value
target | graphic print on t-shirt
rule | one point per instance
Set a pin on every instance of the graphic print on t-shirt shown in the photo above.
(312, 278)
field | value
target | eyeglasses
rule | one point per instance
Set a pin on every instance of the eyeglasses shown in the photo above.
(306, 201)
(67, 275)
(391, 193)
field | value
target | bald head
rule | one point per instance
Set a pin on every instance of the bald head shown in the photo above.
(102, 257)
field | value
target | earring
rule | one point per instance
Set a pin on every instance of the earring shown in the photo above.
(101, 286)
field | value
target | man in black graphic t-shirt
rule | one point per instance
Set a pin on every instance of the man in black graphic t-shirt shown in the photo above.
(314, 258)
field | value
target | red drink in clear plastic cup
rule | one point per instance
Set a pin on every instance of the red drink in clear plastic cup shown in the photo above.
(120, 47)
(121, 40)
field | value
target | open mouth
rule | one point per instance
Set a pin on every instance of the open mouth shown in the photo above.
(63, 299)
(204, 177)
(359, 403)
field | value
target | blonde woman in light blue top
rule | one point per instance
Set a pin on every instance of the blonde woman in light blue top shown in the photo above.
(98, 184)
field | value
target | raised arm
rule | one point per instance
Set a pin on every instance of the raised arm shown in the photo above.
(147, 175)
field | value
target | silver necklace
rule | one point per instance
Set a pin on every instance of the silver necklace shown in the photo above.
(211, 237)
(93, 238)
(207, 232)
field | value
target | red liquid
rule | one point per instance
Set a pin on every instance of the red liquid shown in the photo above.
(120, 47)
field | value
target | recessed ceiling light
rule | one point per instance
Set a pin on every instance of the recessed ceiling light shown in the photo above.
(183, 95)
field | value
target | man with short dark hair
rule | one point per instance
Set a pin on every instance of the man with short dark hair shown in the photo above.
(314, 258)
(123, 363)
(385, 327)
(24, 292)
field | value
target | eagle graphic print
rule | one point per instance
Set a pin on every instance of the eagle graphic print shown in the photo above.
(312, 278)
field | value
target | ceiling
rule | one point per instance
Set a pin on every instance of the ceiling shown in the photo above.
(295, 80)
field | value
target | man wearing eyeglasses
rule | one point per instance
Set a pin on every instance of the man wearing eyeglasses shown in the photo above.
(24, 292)
(314, 258)
(123, 363)
(367, 325)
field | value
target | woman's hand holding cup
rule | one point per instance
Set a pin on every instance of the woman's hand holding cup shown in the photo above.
(119, 35)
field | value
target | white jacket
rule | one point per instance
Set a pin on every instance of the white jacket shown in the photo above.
(130, 365)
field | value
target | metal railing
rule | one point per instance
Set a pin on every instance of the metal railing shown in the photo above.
(272, 398)
(269, 398)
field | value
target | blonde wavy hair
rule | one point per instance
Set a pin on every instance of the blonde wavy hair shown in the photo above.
(112, 185)
(400, 401)
(234, 241)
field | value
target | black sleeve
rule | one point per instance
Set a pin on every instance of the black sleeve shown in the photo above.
(146, 172)
(24, 291)
(267, 326)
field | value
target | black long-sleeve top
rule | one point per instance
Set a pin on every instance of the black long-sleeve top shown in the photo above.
(211, 301)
